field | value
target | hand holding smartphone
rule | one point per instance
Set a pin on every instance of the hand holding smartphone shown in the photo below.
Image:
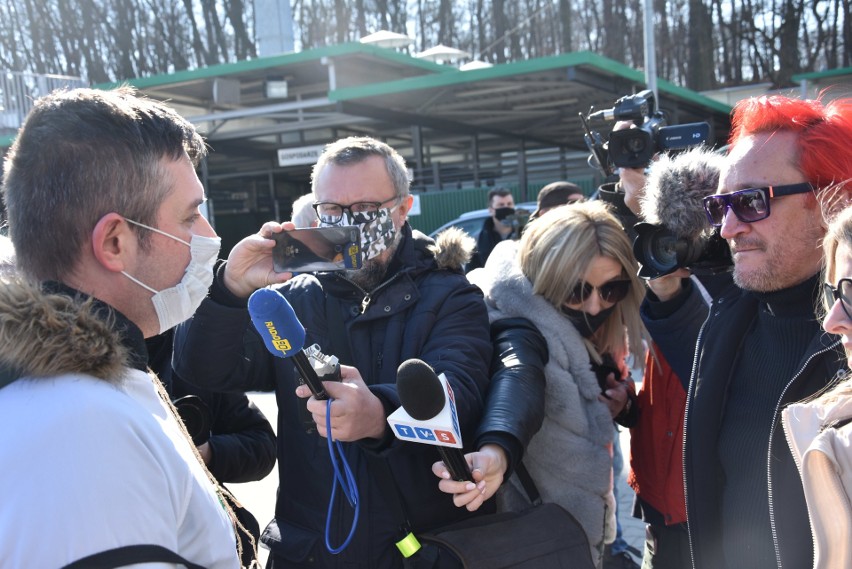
(316, 249)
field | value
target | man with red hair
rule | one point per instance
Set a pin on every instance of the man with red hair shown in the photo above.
(759, 345)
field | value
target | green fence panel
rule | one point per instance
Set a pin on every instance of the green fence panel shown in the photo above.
(439, 207)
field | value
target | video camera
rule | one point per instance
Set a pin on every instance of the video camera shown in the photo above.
(634, 147)
(676, 232)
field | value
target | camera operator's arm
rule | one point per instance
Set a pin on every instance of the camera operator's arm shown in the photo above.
(674, 320)
(632, 184)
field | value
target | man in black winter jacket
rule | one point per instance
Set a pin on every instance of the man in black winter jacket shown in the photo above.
(410, 300)
(760, 346)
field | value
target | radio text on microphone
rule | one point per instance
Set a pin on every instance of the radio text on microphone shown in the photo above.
(281, 344)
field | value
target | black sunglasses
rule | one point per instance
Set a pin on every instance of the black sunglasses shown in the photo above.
(611, 291)
(843, 293)
(749, 205)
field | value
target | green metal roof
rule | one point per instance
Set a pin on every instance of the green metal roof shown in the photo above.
(456, 77)
(277, 61)
(823, 74)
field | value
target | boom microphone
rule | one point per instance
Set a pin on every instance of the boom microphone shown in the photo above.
(284, 336)
(676, 232)
(428, 415)
(675, 189)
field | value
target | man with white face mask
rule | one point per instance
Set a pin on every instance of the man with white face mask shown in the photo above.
(103, 209)
(410, 300)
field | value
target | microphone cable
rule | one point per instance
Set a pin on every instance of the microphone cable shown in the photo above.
(348, 485)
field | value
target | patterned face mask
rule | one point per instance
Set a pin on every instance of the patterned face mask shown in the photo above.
(377, 235)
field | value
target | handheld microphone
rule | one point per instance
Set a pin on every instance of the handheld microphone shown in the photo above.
(284, 336)
(428, 415)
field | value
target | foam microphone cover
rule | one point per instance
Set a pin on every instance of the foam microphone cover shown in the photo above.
(421, 393)
(276, 322)
(676, 187)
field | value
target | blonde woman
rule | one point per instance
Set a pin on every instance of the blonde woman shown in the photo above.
(819, 431)
(572, 276)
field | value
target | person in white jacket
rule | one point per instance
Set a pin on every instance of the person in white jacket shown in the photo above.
(103, 211)
(819, 431)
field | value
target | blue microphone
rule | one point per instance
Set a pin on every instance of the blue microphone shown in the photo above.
(284, 336)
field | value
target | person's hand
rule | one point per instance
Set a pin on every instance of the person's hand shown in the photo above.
(668, 286)
(205, 452)
(356, 413)
(249, 264)
(488, 467)
(616, 395)
(632, 182)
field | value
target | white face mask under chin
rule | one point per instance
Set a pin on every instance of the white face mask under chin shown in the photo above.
(176, 304)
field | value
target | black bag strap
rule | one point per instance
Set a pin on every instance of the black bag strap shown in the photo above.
(129, 555)
(528, 483)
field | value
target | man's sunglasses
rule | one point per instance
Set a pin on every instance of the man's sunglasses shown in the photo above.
(748, 205)
(611, 292)
(843, 293)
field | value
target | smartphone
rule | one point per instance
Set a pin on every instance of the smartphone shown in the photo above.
(317, 249)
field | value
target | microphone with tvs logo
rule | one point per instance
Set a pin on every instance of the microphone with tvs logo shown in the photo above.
(284, 335)
(428, 415)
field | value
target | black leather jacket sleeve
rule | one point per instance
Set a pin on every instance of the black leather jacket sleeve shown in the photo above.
(514, 404)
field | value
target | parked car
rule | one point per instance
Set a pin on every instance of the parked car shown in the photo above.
(471, 222)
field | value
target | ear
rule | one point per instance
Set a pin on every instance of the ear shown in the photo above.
(113, 242)
(405, 207)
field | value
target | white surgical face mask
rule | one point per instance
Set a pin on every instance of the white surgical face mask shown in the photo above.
(178, 303)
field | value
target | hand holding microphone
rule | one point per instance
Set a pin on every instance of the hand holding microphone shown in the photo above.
(284, 336)
(428, 415)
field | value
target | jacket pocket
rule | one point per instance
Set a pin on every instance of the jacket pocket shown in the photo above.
(289, 541)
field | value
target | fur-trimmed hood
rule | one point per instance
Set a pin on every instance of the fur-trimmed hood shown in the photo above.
(453, 248)
(44, 334)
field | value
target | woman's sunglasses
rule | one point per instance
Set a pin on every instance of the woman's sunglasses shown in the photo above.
(611, 292)
(748, 205)
(843, 293)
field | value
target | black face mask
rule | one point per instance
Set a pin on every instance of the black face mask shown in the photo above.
(585, 323)
(502, 213)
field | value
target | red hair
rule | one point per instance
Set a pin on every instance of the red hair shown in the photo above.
(824, 131)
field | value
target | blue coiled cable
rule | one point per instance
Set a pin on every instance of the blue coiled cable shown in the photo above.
(347, 484)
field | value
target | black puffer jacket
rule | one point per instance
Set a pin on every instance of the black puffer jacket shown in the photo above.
(241, 441)
(423, 310)
(514, 406)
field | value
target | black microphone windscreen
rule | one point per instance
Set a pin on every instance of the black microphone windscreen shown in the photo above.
(421, 393)
(675, 190)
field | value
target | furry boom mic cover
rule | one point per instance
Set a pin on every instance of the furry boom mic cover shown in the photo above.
(676, 187)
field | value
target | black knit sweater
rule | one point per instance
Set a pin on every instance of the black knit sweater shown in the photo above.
(768, 359)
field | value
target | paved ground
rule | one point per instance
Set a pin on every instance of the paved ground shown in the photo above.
(259, 497)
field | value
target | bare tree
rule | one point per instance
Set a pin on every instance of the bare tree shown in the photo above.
(700, 43)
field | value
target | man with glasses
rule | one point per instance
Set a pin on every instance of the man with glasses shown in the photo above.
(760, 346)
(409, 300)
